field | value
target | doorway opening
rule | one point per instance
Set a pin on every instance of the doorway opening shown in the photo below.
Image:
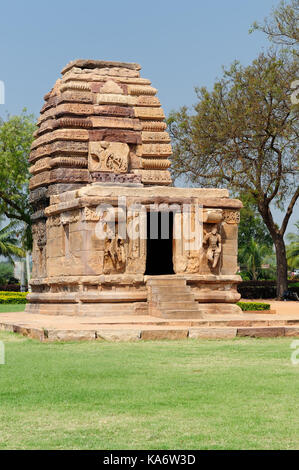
(159, 243)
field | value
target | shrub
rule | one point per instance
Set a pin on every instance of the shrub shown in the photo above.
(262, 289)
(254, 306)
(7, 297)
(10, 287)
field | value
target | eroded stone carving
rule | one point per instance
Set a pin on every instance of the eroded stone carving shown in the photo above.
(54, 221)
(69, 217)
(115, 255)
(108, 156)
(90, 213)
(39, 233)
(231, 217)
(102, 177)
(213, 242)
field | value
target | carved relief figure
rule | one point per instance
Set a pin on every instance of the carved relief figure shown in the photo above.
(213, 240)
(108, 156)
(115, 254)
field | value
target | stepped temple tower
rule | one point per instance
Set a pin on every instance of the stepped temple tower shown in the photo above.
(111, 234)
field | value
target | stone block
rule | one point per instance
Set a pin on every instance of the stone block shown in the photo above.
(153, 335)
(118, 335)
(141, 90)
(69, 335)
(144, 100)
(212, 333)
(153, 126)
(74, 96)
(154, 176)
(229, 231)
(291, 331)
(114, 111)
(115, 135)
(69, 148)
(80, 109)
(229, 264)
(111, 98)
(149, 113)
(96, 243)
(94, 262)
(230, 247)
(61, 134)
(70, 175)
(28, 331)
(115, 123)
(55, 246)
(150, 150)
(155, 137)
(76, 240)
(266, 332)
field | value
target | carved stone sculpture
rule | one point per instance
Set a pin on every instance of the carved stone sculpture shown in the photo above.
(108, 156)
(213, 241)
(115, 254)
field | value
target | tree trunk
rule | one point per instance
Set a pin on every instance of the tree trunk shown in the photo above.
(280, 249)
(282, 267)
(28, 270)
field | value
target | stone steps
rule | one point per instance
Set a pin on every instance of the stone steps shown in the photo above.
(170, 297)
(177, 313)
(176, 304)
(184, 297)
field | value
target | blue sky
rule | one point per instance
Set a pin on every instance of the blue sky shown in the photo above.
(179, 44)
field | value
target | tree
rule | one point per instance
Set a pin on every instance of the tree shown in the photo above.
(243, 135)
(6, 272)
(293, 248)
(16, 135)
(282, 27)
(252, 255)
(9, 242)
(252, 226)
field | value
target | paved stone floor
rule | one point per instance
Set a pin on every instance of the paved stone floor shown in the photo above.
(132, 328)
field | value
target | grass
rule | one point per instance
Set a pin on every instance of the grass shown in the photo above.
(217, 394)
(4, 308)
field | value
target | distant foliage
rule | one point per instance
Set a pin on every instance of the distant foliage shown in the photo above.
(282, 26)
(16, 135)
(293, 248)
(7, 297)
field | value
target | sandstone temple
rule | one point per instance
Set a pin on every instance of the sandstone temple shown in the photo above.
(111, 234)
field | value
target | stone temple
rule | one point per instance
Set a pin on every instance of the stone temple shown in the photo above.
(111, 234)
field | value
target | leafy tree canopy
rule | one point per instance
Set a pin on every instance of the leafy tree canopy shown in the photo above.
(282, 27)
(243, 135)
(252, 226)
(16, 135)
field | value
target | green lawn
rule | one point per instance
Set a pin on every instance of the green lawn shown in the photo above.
(4, 308)
(217, 394)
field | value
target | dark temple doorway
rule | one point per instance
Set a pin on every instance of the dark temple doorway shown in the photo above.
(159, 243)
